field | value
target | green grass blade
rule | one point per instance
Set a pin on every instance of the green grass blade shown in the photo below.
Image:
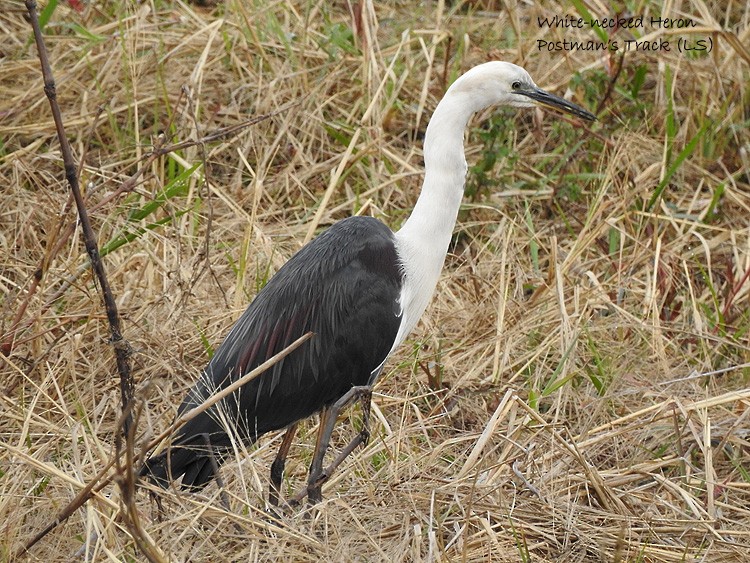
(46, 13)
(131, 235)
(178, 187)
(554, 384)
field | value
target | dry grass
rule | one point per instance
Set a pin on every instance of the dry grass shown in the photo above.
(590, 351)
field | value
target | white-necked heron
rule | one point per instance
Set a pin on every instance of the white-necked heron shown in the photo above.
(358, 287)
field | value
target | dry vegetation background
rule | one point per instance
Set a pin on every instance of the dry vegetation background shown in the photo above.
(578, 391)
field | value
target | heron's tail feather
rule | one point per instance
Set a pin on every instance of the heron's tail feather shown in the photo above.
(191, 460)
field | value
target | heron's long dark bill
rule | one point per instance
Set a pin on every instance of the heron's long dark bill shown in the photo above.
(550, 100)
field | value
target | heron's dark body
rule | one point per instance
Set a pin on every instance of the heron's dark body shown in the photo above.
(344, 287)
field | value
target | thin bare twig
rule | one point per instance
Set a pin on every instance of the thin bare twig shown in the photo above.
(121, 347)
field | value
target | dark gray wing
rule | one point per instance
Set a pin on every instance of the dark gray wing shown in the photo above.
(344, 287)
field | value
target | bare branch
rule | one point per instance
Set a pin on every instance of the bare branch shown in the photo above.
(121, 347)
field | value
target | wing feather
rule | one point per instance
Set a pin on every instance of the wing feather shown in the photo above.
(344, 287)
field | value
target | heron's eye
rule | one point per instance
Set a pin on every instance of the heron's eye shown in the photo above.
(516, 85)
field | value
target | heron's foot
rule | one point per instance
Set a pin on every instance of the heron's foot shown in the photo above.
(314, 496)
(274, 515)
(315, 487)
(364, 436)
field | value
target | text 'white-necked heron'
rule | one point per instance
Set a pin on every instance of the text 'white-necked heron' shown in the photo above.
(359, 288)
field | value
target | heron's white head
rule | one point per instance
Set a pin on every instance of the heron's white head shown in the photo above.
(501, 83)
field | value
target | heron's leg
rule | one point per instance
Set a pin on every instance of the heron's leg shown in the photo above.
(277, 467)
(327, 421)
(363, 437)
(365, 400)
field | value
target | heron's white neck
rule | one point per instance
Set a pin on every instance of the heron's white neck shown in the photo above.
(422, 242)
